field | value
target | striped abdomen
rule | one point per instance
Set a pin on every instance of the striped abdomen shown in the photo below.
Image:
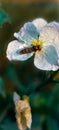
(30, 49)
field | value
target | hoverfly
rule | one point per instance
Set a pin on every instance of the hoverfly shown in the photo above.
(30, 49)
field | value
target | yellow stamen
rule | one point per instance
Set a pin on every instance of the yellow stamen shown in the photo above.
(37, 43)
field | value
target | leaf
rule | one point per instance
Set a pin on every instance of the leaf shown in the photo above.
(23, 113)
(3, 114)
(56, 77)
(52, 124)
(4, 17)
(1, 86)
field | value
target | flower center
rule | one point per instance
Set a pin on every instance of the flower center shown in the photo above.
(37, 45)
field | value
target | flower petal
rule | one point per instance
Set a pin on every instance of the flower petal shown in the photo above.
(49, 35)
(13, 51)
(16, 98)
(47, 60)
(41, 63)
(51, 54)
(27, 33)
(39, 23)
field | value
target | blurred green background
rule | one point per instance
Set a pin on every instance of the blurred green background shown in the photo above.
(23, 77)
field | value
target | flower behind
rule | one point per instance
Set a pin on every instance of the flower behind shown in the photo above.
(23, 112)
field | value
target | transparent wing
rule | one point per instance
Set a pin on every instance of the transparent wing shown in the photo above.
(13, 51)
(39, 23)
(47, 60)
(27, 33)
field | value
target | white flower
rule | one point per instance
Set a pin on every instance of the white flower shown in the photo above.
(40, 38)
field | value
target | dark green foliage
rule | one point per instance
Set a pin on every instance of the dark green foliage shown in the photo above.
(3, 17)
(41, 87)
